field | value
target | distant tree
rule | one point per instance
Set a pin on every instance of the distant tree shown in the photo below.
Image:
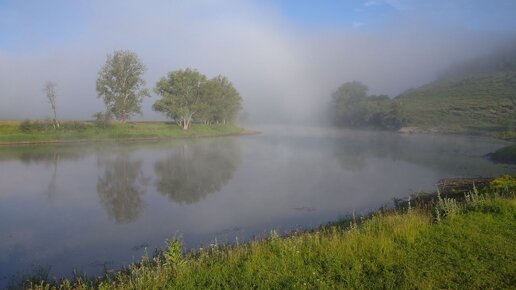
(352, 107)
(102, 119)
(350, 103)
(224, 100)
(121, 85)
(50, 91)
(182, 96)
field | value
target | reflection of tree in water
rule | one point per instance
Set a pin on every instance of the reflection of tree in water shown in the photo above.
(52, 185)
(48, 155)
(196, 169)
(352, 153)
(448, 155)
(121, 188)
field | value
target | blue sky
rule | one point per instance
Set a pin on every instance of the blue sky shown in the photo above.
(25, 25)
(275, 52)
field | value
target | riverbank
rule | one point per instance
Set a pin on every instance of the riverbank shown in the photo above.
(502, 135)
(14, 132)
(506, 154)
(438, 243)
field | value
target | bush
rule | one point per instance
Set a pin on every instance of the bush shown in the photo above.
(34, 126)
(74, 125)
(504, 184)
(102, 120)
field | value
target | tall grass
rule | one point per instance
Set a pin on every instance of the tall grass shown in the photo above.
(470, 245)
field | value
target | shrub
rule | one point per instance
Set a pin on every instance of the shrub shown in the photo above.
(32, 126)
(102, 120)
(504, 184)
(73, 125)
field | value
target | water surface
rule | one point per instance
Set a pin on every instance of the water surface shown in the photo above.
(96, 207)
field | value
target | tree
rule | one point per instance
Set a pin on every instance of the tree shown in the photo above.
(224, 100)
(50, 91)
(121, 85)
(352, 107)
(350, 103)
(183, 96)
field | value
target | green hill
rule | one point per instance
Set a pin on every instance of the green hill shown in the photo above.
(480, 102)
(477, 96)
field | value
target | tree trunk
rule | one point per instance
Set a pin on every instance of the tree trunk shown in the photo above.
(56, 123)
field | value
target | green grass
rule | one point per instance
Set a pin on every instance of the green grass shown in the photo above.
(446, 244)
(470, 104)
(506, 154)
(10, 131)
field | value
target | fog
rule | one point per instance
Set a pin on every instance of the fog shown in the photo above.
(285, 70)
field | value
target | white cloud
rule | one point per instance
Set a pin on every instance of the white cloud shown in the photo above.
(371, 3)
(357, 24)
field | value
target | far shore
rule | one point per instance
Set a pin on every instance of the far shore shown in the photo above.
(75, 132)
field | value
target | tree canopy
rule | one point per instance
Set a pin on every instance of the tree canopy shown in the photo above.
(121, 85)
(352, 107)
(187, 95)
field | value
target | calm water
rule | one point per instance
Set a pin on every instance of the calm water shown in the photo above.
(92, 207)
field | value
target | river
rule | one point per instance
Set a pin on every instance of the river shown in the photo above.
(100, 206)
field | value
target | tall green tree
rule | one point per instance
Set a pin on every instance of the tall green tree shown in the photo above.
(349, 104)
(121, 85)
(224, 100)
(182, 96)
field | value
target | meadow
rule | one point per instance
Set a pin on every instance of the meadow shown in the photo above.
(15, 132)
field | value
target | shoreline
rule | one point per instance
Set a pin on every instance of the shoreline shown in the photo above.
(403, 232)
(122, 139)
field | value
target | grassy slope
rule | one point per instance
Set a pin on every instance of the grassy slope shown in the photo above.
(476, 103)
(506, 154)
(473, 247)
(9, 132)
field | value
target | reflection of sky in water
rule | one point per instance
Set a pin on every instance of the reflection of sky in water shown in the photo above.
(86, 206)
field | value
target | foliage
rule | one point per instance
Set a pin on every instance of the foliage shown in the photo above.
(73, 126)
(102, 120)
(182, 95)
(187, 95)
(121, 85)
(35, 127)
(506, 154)
(471, 250)
(30, 126)
(223, 100)
(504, 183)
(353, 108)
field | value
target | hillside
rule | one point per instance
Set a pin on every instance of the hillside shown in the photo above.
(474, 103)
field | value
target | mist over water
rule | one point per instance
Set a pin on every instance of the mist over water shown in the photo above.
(92, 207)
(284, 67)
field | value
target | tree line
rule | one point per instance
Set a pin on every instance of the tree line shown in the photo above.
(186, 95)
(352, 107)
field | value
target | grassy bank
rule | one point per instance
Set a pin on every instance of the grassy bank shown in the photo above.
(38, 132)
(505, 155)
(441, 244)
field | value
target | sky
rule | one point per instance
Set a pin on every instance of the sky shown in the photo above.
(285, 57)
